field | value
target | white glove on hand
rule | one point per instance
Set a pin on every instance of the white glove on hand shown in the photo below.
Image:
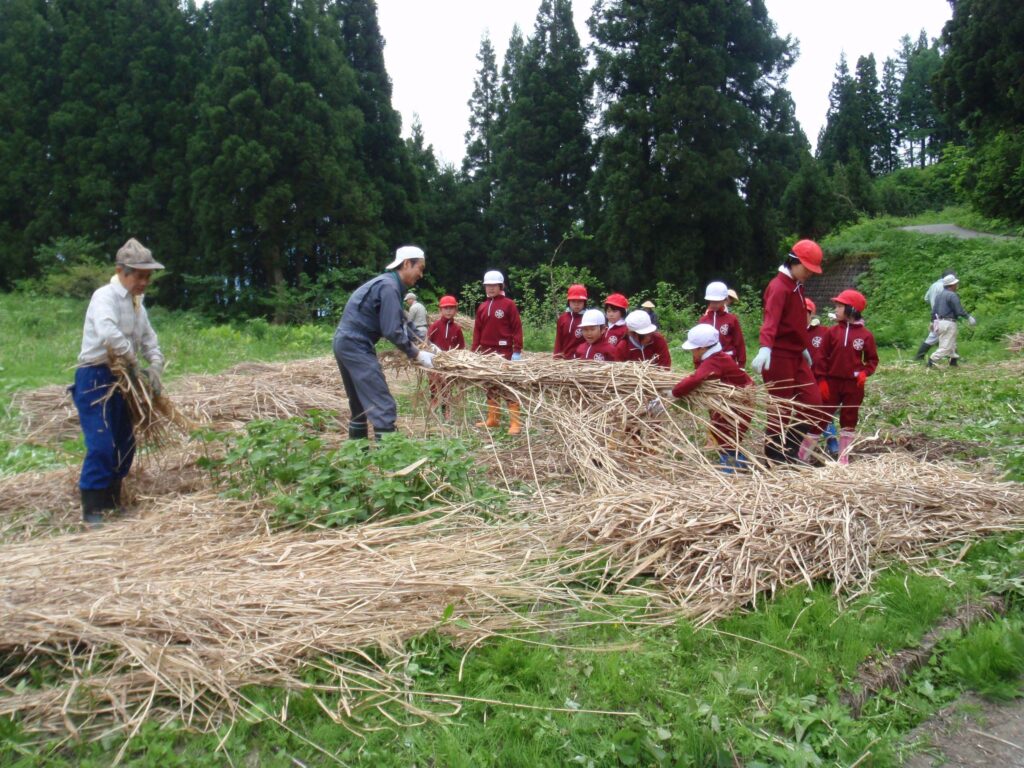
(517, 356)
(808, 358)
(425, 359)
(655, 407)
(971, 320)
(763, 361)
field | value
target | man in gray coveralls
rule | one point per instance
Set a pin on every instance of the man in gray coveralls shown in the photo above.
(374, 311)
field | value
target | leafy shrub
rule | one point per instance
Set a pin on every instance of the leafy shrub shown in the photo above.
(990, 658)
(314, 485)
(71, 268)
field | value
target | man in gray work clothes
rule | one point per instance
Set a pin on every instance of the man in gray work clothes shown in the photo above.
(948, 310)
(930, 296)
(374, 311)
(417, 314)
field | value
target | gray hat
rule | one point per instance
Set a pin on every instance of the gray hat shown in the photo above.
(137, 256)
(410, 295)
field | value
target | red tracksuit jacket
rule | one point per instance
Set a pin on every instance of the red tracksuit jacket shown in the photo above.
(784, 328)
(446, 334)
(602, 350)
(818, 335)
(568, 335)
(656, 350)
(719, 366)
(616, 333)
(498, 327)
(730, 335)
(849, 349)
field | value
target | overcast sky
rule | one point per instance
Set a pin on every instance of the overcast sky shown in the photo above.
(431, 50)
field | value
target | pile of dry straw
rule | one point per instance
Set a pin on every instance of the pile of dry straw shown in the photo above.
(169, 614)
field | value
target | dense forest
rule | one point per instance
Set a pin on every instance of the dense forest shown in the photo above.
(253, 145)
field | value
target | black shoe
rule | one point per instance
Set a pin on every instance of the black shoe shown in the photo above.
(94, 504)
(115, 495)
(930, 363)
(953, 362)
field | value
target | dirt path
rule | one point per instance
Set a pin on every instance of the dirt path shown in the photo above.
(953, 230)
(972, 732)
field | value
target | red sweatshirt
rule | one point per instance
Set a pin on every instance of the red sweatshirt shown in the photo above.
(818, 335)
(446, 334)
(718, 367)
(784, 328)
(498, 327)
(568, 335)
(730, 335)
(849, 349)
(602, 350)
(616, 333)
(656, 350)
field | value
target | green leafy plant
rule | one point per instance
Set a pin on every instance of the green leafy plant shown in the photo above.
(311, 483)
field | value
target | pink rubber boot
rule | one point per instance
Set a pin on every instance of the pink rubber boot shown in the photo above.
(845, 441)
(807, 447)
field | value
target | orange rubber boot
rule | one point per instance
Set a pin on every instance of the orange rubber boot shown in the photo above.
(493, 415)
(514, 425)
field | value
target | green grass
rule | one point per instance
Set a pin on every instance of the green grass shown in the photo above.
(761, 687)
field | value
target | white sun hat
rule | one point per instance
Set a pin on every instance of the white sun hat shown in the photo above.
(639, 322)
(716, 291)
(701, 336)
(406, 252)
(593, 317)
(493, 277)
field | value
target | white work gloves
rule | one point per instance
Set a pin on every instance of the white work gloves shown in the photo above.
(426, 359)
(971, 320)
(808, 358)
(763, 360)
(517, 356)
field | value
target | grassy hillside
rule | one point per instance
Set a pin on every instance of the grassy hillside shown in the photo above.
(901, 266)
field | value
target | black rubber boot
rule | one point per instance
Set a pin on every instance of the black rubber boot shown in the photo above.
(94, 504)
(773, 452)
(953, 362)
(357, 431)
(379, 433)
(922, 351)
(115, 496)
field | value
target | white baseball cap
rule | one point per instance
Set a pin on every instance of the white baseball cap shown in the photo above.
(716, 291)
(493, 277)
(592, 317)
(406, 252)
(701, 336)
(639, 322)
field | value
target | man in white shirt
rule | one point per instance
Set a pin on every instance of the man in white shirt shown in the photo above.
(116, 325)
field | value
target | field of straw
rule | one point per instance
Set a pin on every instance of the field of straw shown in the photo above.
(171, 611)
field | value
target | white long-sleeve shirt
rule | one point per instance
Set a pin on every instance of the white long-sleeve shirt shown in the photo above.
(116, 323)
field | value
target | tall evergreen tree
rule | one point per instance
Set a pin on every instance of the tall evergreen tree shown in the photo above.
(839, 135)
(479, 166)
(920, 120)
(277, 187)
(381, 145)
(890, 92)
(30, 31)
(873, 134)
(686, 87)
(543, 155)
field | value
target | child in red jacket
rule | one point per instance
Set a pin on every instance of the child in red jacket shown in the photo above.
(713, 363)
(595, 346)
(498, 330)
(818, 333)
(643, 342)
(730, 335)
(850, 356)
(568, 335)
(615, 307)
(445, 334)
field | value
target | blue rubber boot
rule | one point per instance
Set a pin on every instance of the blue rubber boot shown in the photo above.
(832, 440)
(726, 464)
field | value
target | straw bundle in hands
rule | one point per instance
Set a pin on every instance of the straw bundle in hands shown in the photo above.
(1015, 342)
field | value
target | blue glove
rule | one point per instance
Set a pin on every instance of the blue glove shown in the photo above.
(517, 356)
(763, 361)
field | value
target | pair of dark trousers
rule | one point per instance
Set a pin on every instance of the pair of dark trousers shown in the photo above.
(369, 398)
(107, 426)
